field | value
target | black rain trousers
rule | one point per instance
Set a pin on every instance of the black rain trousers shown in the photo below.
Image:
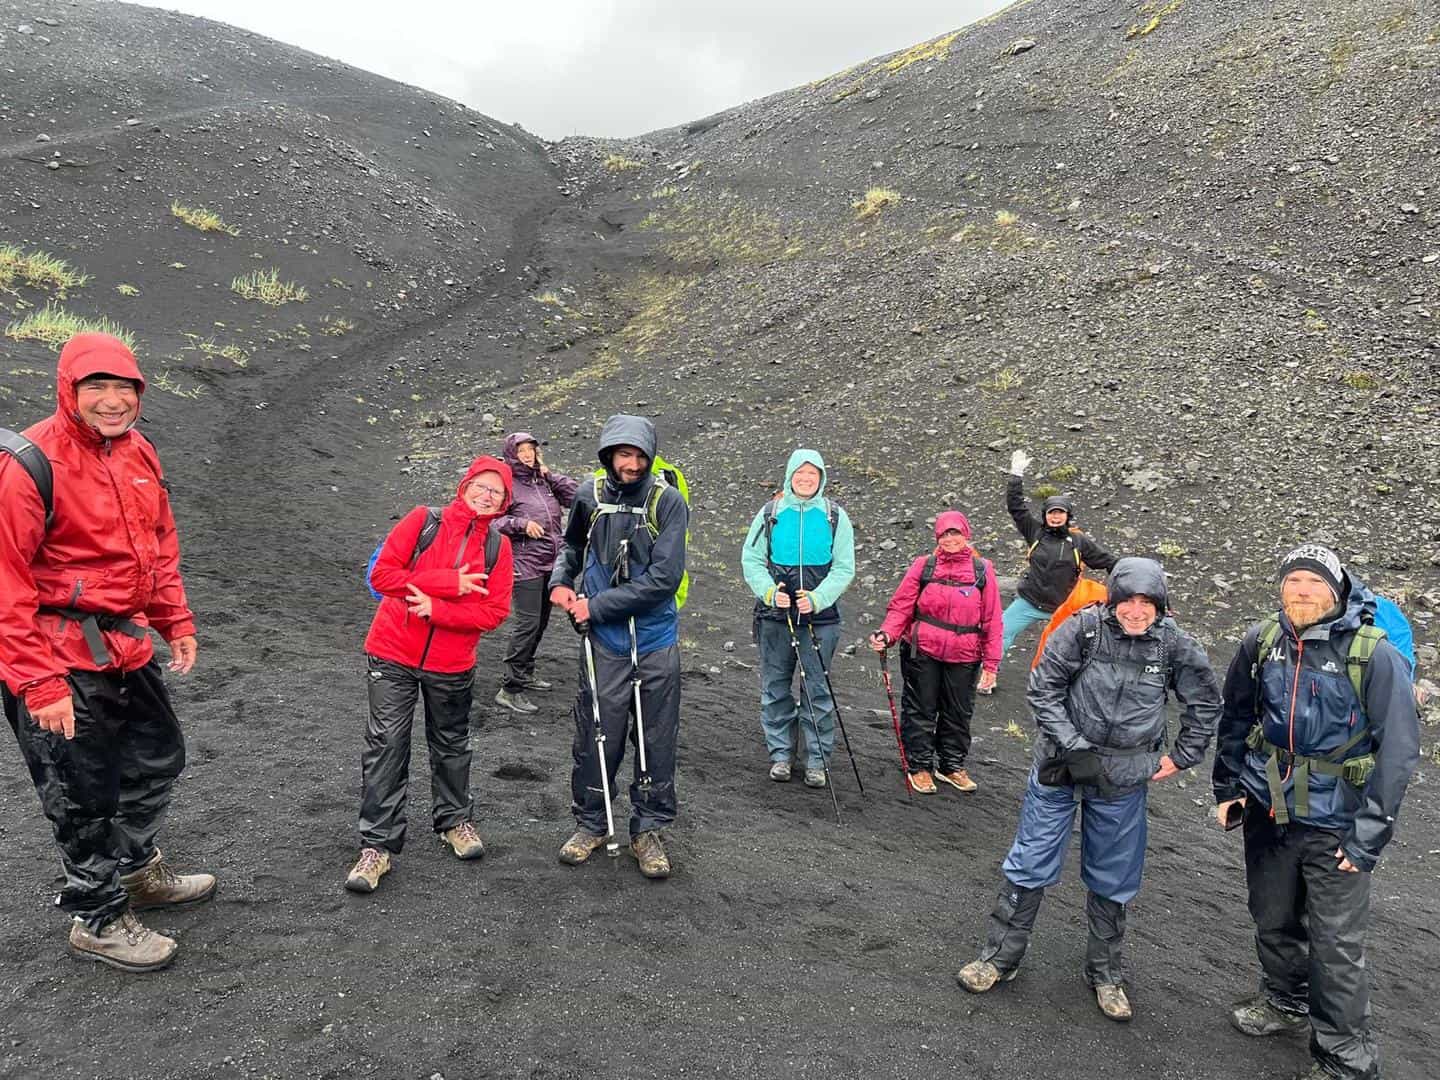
(653, 802)
(106, 791)
(935, 710)
(529, 615)
(385, 763)
(1310, 922)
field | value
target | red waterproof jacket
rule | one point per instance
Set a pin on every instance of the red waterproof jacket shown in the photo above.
(956, 605)
(111, 547)
(446, 641)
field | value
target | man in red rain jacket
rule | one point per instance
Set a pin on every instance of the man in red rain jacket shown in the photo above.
(82, 689)
(436, 604)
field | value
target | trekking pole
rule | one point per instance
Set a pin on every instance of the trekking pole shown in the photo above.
(815, 644)
(622, 574)
(612, 847)
(639, 714)
(810, 708)
(895, 719)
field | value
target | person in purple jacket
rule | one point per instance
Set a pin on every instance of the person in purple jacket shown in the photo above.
(534, 525)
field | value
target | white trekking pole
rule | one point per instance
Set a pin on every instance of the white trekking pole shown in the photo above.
(612, 847)
(639, 713)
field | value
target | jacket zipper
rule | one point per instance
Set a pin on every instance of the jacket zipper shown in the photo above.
(430, 634)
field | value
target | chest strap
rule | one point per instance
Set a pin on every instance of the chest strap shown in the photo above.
(1354, 771)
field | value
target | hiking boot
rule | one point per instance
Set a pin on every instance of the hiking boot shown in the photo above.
(534, 683)
(464, 840)
(365, 875)
(780, 772)
(516, 702)
(1113, 1002)
(980, 975)
(649, 852)
(1258, 1017)
(922, 783)
(124, 942)
(815, 778)
(580, 847)
(155, 885)
(958, 779)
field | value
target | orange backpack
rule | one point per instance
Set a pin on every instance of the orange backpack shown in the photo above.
(1086, 592)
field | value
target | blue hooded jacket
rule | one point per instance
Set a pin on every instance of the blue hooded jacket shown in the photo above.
(643, 585)
(1306, 705)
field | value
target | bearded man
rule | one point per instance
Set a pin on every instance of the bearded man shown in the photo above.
(1318, 740)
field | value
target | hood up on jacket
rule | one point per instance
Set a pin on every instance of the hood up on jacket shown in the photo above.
(804, 457)
(81, 357)
(1138, 577)
(486, 463)
(622, 429)
(513, 442)
(952, 519)
(1058, 502)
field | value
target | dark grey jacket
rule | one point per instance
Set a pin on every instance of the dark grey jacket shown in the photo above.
(1097, 687)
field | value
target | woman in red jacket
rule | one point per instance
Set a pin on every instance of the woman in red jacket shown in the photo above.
(437, 601)
(946, 614)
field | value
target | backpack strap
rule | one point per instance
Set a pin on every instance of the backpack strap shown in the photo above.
(428, 531)
(35, 462)
(492, 547)
(927, 578)
(1362, 648)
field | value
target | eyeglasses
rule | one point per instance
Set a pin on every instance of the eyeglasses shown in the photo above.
(494, 493)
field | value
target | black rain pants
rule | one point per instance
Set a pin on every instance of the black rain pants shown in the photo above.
(385, 764)
(529, 615)
(106, 791)
(935, 710)
(653, 802)
(1310, 922)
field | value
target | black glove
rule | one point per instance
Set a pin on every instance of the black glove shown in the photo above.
(1071, 767)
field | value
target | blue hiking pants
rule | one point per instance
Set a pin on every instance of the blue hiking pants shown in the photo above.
(1018, 617)
(1112, 856)
(780, 711)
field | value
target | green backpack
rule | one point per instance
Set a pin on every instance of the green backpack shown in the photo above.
(666, 476)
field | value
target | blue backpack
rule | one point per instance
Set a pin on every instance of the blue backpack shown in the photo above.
(428, 532)
(1391, 619)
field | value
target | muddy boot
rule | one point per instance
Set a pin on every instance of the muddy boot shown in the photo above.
(1257, 1016)
(155, 885)
(516, 702)
(780, 772)
(125, 943)
(1113, 1002)
(534, 683)
(815, 778)
(580, 847)
(464, 840)
(980, 975)
(650, 854)
(365, 875)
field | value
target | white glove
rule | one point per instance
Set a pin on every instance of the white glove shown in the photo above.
(1019, 462)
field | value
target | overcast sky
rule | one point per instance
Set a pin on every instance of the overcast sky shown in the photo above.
(598, 67)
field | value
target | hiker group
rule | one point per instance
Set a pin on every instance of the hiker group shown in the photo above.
(1315, 726)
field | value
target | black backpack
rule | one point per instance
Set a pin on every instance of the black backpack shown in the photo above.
(33, 460)
(428, 532)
